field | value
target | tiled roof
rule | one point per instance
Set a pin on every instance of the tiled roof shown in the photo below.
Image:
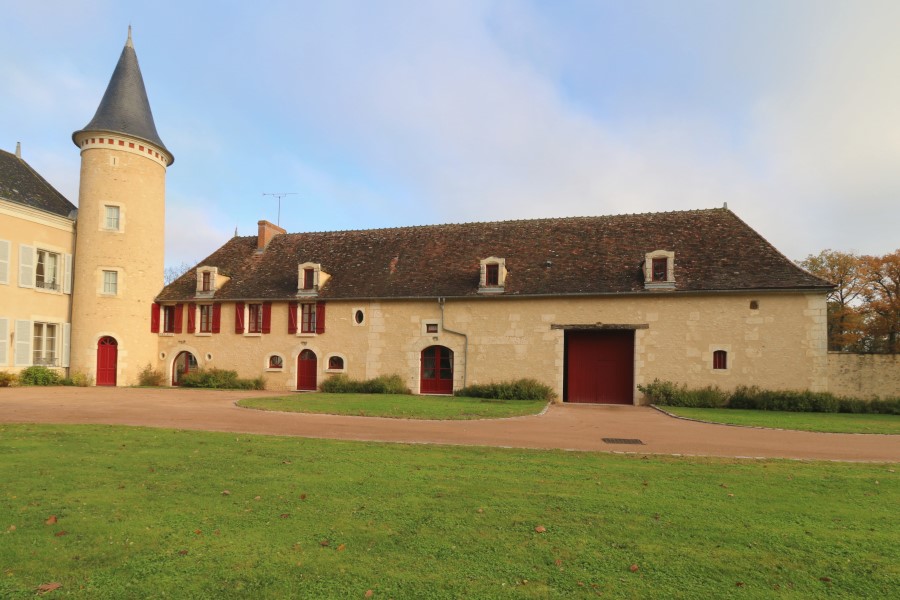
(714, 251)
(21, 184)
(125, 107)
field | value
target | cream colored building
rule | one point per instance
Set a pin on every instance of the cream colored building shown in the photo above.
(37, 241)
(591, 306)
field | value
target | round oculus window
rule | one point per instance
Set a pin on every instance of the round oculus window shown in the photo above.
(359, 317)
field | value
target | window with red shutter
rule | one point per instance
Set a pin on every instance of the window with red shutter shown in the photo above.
(254, 318)
(192, 318)
(216, 318)
(292, 317)
(239, 317)
(307, 318)
(179, 317)
(154, 318)
(266, 317)
(720, 359)
(320, 317)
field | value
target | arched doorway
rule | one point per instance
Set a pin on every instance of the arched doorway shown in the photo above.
(184, 363)
(437, 370)
(107, 360)
(307, 368)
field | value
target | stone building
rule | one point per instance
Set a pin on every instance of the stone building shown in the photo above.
(592, 306)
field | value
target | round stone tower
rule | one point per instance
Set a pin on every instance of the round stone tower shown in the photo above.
(119, 244)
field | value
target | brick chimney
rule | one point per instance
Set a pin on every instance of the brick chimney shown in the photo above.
(266, 232)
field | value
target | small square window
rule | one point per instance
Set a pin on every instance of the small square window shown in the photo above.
(276, 362)
(335, 363)
(431, 327)
(110, 282)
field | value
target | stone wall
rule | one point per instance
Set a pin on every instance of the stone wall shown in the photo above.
(864, 375)
(772, 340)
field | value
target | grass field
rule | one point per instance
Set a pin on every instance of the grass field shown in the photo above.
(398, 406)
(803, 421)
(116, 512)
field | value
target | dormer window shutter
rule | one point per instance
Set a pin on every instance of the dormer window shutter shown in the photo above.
(216, 318)
(239, 317)
(154, 318)
(267, 317)
(179, 315)
(320, 317)
(292, 317)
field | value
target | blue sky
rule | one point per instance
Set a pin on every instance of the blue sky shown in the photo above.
(392, 113)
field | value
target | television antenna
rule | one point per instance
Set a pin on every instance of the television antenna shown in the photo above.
(280, 195)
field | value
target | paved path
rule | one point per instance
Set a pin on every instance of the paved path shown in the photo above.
(571, 427)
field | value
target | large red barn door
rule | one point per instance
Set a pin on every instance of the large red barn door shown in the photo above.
(107, 360)
(600, 366)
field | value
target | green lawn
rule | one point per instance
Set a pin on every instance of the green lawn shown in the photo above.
(803, 421)
(398, 406)
(159, 513)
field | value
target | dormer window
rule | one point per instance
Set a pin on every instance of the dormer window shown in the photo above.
(659, 270)
(310, 279)
(209, 280)
(493, 275)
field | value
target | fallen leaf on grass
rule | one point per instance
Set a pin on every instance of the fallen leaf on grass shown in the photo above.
(303, 496)
(324, 543)
(51, 520)
(226, 492)
(739, 583)
(825, 579)
(12, 528)
(198, 532)
(480, 511)
(61, 533)
(257, 497)
(341, 548)
(369, 594)
(285, 516)
(286, 462)
(182, 552)
(540, 529)
(558, 562)
(633, 568)
(48, 587)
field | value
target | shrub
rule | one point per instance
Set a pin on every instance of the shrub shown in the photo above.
(7, 379)
(220, 379)
(77, 379)
(38, 375)
(518, 389)
(666, 393)
(150, 377)
(386, 384)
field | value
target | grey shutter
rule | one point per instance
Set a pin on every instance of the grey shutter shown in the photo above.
(4, 342)
(24, 330)
(67, 276)
(4, 261)
(26, 266)
(66, 342)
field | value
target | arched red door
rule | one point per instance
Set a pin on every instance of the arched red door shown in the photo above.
(437, 370)
(307, 367)
(107, 359)
(184, 363)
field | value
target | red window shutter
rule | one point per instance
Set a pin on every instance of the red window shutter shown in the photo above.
(154, 318)
(217, 318)
(192, 318)
(179, 315)
(239, 317)
(267, 317)
(292, 317)
(320, 317)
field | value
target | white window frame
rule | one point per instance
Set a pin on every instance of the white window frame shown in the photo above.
(669, 283)
(4, 341)
(46, 350)
(110, 284)
(41, 263)
(483, 287)
(117, 223)
(4, 261)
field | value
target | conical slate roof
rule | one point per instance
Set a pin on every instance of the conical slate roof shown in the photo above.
(125, 108)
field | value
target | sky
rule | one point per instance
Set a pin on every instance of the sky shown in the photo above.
(397, 113)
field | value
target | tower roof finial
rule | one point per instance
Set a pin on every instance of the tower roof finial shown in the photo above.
(128, 42)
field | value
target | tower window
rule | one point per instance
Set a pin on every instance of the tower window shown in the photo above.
(110, 282)
(112, 218)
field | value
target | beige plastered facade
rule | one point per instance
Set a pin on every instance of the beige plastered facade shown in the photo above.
(778, 345)
(129, 174)
(25, 231)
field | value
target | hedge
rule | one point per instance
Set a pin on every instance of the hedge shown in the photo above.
(519, 389)
(666, 393)
(220, 379)
(386, 384)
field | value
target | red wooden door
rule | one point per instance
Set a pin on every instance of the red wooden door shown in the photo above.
(184, 363)
(600, 366)
(437, 370)
(107, 359)
(307, 368)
